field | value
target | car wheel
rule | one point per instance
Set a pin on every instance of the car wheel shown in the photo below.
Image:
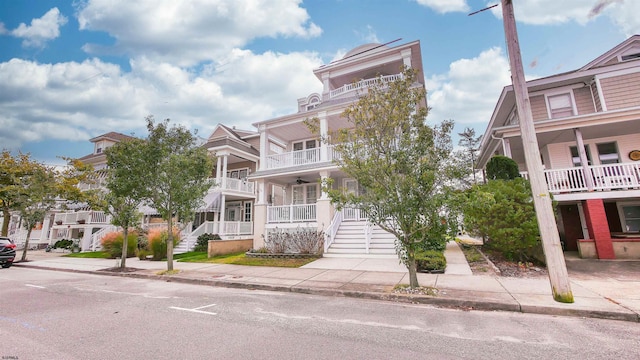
(6, 265)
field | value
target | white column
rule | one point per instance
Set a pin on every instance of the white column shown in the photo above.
(406, 57)
(46, 224)
(506, 148)
(326, 87)
(222, 213)
(324, 133)
(583, 159)
(264, 147)
(324, 175)
(218, 170)
(261, 192)
(225, 159)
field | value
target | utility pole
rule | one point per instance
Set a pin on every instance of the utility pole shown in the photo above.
(556, 265)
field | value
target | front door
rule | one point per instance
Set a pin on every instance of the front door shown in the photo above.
(571, 228)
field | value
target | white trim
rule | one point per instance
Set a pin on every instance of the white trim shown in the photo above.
(583, 221)
(619, 72)
(559, 92)
(603, 104)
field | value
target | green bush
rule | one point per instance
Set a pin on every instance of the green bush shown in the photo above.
(202, 245)
(143, 253)
(63, 244)
(503, 211)
(158, 242)
(429, 260)
(112, 244)
(502, 168)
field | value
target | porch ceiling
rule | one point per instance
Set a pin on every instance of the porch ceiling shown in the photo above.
(567, 135)
(299, 130)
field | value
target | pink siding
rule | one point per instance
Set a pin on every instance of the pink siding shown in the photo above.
(621, 91)
(538, 108)
(584, 101)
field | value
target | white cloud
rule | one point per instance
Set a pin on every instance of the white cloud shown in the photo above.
(188, 33)
(74, 101)
(625, 15)
(445, 6)
(41, 30)
(468, 92)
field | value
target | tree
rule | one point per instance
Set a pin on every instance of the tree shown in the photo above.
(471, 143)
(178, 171)
(126, 183)
(37, 195)
(401, 164)
(502, 168)
(12, 171)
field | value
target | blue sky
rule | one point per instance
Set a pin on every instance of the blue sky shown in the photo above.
(70, 71)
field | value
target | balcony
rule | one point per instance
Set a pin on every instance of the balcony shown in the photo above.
(291, 213)
(238, 185)
(362, 84)
(299, 157)
(81, 217)
(624, 176)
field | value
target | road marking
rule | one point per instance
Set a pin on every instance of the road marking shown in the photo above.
(196, 310)
(125, 293)
(35, 286)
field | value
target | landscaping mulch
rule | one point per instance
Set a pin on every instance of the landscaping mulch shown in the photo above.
(485, 262)
(121, 270)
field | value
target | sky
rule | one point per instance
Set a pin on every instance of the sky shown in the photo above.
(73, 70)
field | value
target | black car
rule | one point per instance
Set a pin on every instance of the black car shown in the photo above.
(7, 252)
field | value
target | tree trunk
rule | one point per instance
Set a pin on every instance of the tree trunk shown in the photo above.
(26, 245)
(170, 243)
(125, 245)
(5, 221)
(413, 276)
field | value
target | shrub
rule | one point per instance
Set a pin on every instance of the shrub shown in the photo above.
(502, 168)
(112, 244)
(504, 212)
(203, 241)
(158, 242)
(300, 241)
(143, 253)
(63, 244)
(429, 260)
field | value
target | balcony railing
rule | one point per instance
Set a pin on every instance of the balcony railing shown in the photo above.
(300, 157)
(603, 177)
(291, 213)
(362, 84)
(81, 217)
(238, 185)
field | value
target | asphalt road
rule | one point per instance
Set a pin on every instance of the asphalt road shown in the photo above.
(59, 315)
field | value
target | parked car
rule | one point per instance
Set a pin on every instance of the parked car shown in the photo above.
(7, 252)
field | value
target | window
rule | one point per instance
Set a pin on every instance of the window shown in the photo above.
(305, 194)
(247, 211)
(560, 106)
(238, 174)
(630, 57)
(576, 157)
(608, 153)
(630, 218)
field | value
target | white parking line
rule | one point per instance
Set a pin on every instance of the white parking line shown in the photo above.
(195, 310)
(35, 286)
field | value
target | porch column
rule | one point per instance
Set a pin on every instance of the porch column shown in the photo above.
(583, 159)
(598, 227)
(225, 159)
(324, 210)
(264, 146)
(324, 133)
(222, 213)
(218, 169)
(506, 148)
(325, 86)
(46, 224)
(406, 57)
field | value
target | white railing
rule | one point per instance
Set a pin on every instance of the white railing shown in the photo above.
(291, 213)
(353, 214)
(238, 228)
(301, 157)
(367, 236)
(362, 84)
(207, 227)
(237, 185)
(78, 217)
(96, 238)
(603, 177)
(332, 230)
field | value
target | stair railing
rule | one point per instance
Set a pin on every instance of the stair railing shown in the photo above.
(332, 230)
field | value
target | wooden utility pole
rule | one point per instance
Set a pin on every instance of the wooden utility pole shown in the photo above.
(556, 265)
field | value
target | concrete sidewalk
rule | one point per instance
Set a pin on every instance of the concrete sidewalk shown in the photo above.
(596, 295)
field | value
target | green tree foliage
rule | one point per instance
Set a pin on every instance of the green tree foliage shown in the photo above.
(503, 211)
(127, 174)
(177, 174)
(502, 168)
(13, 170)
(471, 144)
(401, 163)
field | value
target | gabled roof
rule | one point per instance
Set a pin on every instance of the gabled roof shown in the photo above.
(113, 136)
(627, 47)
(222, 130)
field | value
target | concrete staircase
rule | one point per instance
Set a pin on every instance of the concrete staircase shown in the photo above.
(350, 241)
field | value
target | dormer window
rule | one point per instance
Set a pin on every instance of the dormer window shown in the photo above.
(313, 103)
(630, 57)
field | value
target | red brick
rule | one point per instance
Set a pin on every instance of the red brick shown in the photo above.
(599, 228)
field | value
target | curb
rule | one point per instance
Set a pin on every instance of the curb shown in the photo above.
(454, 303)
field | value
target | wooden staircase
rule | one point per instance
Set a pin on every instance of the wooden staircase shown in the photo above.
(351, 241)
